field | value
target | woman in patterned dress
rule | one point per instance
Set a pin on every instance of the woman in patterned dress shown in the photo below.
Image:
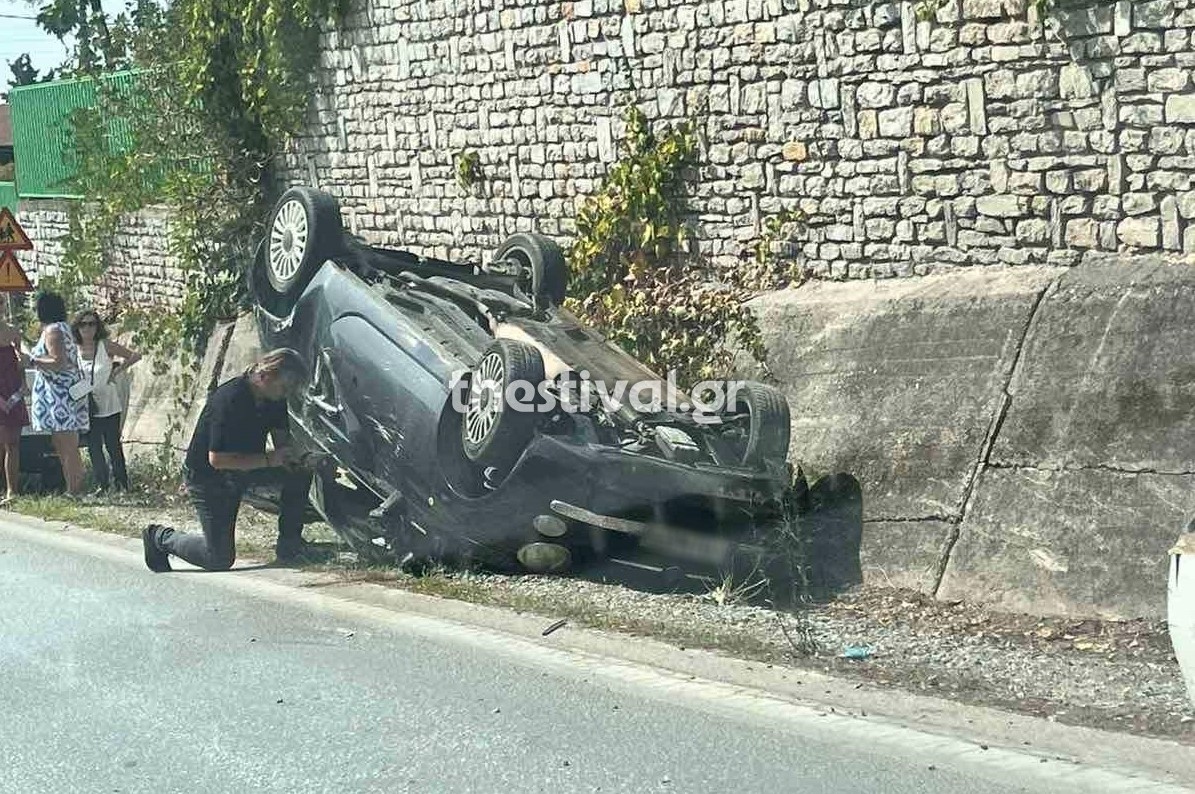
(55, 362)
(13, 414)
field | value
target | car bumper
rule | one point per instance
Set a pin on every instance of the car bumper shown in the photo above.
(702, 519)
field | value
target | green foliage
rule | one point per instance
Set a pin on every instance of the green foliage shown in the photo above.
(468, 170)
(633, 277)
(634, 223)
(767, 271)
(219, 87)
(23, 73)
(248, 61)
(101, 40)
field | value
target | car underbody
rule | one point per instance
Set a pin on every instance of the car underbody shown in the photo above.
(412, 364)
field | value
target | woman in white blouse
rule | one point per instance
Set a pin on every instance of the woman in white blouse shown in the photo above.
(101, 361)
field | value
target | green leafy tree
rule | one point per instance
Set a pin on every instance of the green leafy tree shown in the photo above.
(23, 73)
(216, 87)
(86, 21)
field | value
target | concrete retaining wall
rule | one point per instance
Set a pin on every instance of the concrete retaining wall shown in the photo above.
(1022, 436)
(232, 347)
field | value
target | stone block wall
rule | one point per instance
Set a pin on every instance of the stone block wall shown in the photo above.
(989, 136)
(141, 271)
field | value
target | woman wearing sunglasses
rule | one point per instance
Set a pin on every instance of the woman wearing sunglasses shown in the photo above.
(101, 361)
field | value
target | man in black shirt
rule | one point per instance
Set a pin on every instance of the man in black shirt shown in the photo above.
(227, 455)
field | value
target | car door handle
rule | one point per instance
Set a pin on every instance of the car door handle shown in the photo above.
(324, 405)
(313, 394)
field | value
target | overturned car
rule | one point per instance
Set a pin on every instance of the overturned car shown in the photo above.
(468, 417)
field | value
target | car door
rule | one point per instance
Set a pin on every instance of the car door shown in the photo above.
(386, 393)
(329, 420)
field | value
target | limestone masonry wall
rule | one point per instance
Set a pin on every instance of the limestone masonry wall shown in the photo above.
(989, 136)
(141, 270)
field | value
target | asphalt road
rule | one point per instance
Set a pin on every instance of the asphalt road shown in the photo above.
(113, 679)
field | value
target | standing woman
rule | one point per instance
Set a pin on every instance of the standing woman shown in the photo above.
(55, 362)
(101, 360)
(14, 416)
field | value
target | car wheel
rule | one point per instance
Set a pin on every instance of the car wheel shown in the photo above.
(768, 425)
(304, 230)
(546, 281)
(494, 433)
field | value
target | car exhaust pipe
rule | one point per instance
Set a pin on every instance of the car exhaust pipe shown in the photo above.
(550, 526)
(545, 557)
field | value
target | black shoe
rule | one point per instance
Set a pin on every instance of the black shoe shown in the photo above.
(156, 560)
(295, 552)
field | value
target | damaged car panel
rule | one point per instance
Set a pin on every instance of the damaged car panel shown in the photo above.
(412, 363)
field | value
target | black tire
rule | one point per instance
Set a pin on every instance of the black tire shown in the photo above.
(304, 230)
(548, 281)
(769, 425)
(492, 433)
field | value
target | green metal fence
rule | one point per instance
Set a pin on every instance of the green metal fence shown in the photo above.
(8, 196)
(41, 121)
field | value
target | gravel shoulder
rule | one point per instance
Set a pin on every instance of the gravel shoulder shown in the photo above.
(1111, 675)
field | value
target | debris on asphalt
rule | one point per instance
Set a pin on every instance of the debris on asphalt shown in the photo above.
(558, 624)
(856, 652)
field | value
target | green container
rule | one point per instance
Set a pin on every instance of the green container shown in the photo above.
(41, 121)
(8, 196)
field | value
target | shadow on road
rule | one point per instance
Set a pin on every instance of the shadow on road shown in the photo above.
(829, 536)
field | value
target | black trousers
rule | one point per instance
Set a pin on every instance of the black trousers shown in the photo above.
(217, 500)
(105, 433)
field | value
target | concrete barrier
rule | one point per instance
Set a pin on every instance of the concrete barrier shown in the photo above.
(897, 383)
(231, 348)
(1023, 437)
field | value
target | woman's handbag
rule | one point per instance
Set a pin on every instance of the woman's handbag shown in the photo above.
(83, 388)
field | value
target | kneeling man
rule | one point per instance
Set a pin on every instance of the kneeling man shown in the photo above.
(227, 456)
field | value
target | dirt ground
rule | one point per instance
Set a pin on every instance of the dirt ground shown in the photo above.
(1112, 675)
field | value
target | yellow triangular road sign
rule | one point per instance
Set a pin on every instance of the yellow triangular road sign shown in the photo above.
(12, 275)
(12, 236)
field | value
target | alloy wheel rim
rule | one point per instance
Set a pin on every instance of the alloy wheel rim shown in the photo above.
(485, 399)
(288, 240)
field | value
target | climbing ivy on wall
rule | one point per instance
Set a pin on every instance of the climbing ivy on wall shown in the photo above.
(633, 273)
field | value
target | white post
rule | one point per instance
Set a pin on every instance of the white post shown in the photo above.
(1180, 607)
